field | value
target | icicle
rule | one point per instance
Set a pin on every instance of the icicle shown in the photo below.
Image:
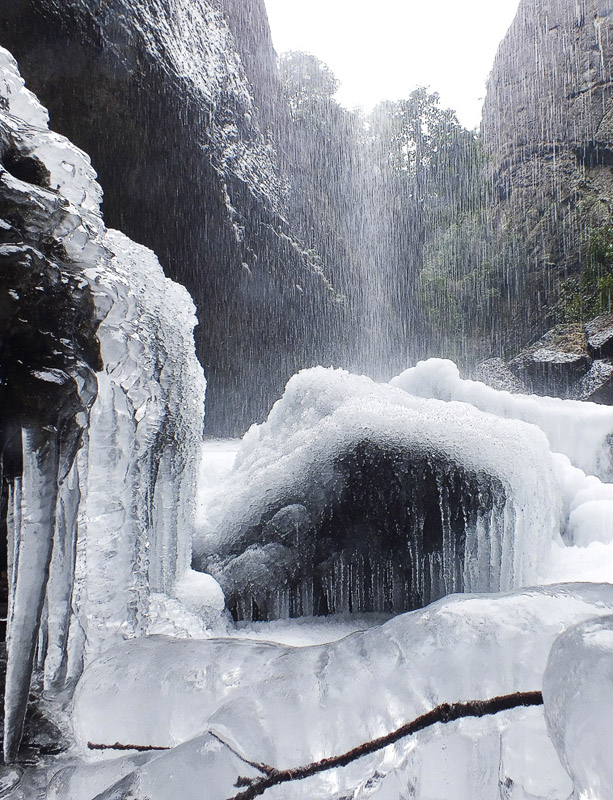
(61, 581)
(32, 556)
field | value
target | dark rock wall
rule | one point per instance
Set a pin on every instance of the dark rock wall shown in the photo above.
(180, 138)
(548, 133)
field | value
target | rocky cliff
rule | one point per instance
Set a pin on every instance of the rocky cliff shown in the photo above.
(174, 101)
(548, 133)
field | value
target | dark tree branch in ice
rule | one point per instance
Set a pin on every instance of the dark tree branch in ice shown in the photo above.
(141, 748)
(447, 712)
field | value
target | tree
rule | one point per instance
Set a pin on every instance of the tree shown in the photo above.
(307, 82)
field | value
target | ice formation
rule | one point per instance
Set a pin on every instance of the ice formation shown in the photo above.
(476, 490)
(287, 706)
(355, 496)
(578, 691)
(93, 533)
(581, 431)
(580, 436)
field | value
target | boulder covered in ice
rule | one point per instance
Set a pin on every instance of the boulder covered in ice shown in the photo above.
(356, 496)
(287, 706)
(578, 693)
(580, 431)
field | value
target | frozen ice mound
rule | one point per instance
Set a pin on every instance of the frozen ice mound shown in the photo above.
(581, 431)
(289, 706)
(580, 436)
(355, 496)
(578, 692)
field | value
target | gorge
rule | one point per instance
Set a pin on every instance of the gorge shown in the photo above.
(458, 528)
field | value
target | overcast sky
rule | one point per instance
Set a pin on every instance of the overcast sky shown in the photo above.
(383, 49)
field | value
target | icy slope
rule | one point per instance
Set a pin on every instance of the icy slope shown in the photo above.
(91, 531)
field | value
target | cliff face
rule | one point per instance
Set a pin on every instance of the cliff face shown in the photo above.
(160, 96)
(548, 132)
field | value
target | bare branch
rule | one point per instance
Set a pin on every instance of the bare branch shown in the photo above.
(142, 748)
(267, 770)
(447, 712)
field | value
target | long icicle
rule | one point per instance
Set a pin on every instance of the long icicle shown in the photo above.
(30, 576)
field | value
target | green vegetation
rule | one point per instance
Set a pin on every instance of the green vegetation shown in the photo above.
(591, 293)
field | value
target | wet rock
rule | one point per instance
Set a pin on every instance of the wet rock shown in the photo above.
(600, 336)
(496, 373)
(597, 385)
(175, 104)
(553, 365)
(548, 133)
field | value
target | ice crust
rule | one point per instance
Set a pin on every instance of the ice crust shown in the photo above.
(580, 436)
(287, 706)
(579, 430)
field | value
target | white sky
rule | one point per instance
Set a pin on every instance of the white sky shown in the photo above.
(383, 49)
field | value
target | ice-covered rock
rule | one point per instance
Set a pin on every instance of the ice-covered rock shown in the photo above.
(355, 496)
(580, 431)
(288, 706)
(101, 471)
(578, 694)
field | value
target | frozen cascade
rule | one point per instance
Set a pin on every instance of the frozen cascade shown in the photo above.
(102, 482)
(143, 455)
(355, 496)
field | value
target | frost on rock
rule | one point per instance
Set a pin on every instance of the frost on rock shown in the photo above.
(355, 496)
(288, 706)
(99, 474)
